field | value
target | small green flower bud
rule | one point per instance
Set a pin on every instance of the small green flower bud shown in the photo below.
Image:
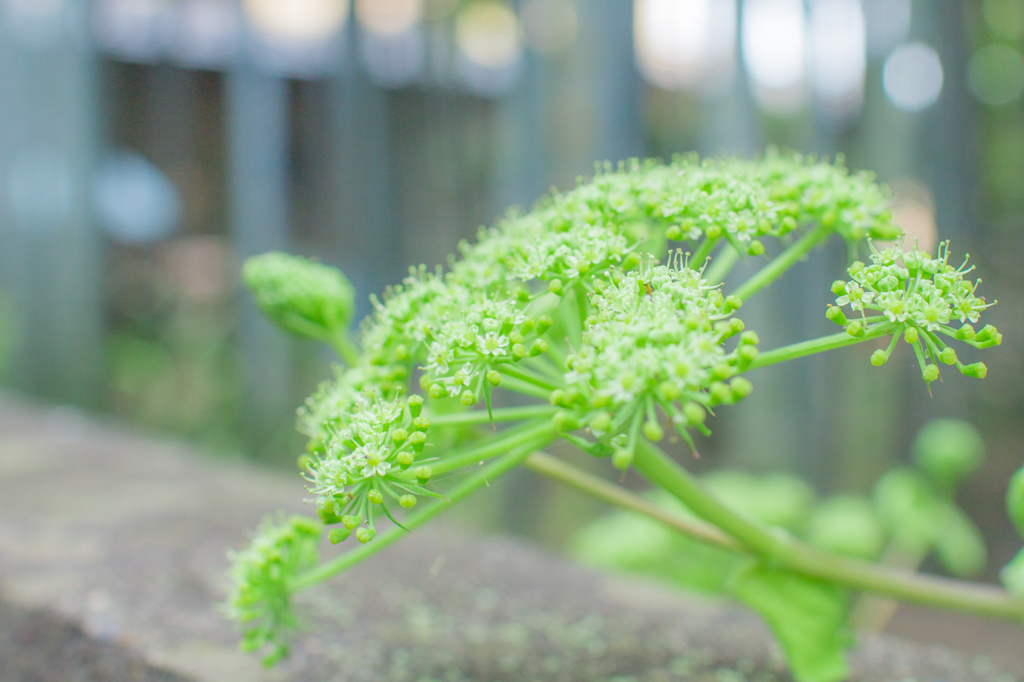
(911, 334)
(720, 392)
(835, 314)
(375, 496)
(539, 346)
(407, 501)
(741, 388)
(787, 224)
(674, 232)
(713, 231)
(747, 354)
(338, 535)
(515, 337)
(600, 421)
(519, 351)
(668, 391)
(467, 398)
(555, 287)
(365, 534)
(965, 333)
(565, 421)
(437, 391)
(695, 414)
(722, 371)
(404, 459)
(750, 338)
(303, 462)
(630, 261)
(420, 423)
(528, 324)
(423, 474)
(755, 248)
(839, 287)
(350, 521)
(948, 356)
(557, 397)
(855, 328)
(977, 369)
(653, 431)
(930, 372)
(327, 510)
(417, 439)
(879, 358)
(399, 435)
(988, 333)
(415, 405)
(494, 377)
(401, 352)
(621, 459)
(855, 267)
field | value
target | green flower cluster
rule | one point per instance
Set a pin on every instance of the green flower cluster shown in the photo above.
(260, 599)
(468, 327)
(564, 305)
(919, 296)
(368, 460)
(656, 339)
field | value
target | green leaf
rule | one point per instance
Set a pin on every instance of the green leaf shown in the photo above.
(960, 546)
(1012, 575)
(808, 617)
(909, 510)
(778, 499)
(633, 543)
(948, 450)
(847, 525)
(1015, 500)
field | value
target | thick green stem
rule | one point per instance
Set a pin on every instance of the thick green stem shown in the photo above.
(624, 499)
(703, 251)
(534, 434)
(784, 261)
(780, 547)
(799, 350)
(507, 414)
(512, 384)
(478, 480)
(344, 347)
(510, 370)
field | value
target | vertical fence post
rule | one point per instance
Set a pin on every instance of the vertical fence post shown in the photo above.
(257, 139)
(49, 250)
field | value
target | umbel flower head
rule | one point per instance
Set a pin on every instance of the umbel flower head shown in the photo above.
(306, 298)
(922, 297)
(565, 305)
(367, 462)
(259, 599)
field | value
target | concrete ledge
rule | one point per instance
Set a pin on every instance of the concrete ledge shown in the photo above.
(112, 558)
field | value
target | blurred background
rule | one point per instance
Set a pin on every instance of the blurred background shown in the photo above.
(148, 146)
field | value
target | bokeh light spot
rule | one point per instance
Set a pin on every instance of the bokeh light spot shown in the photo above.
(912, 77)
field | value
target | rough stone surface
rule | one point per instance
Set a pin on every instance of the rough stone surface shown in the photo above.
(112, 560)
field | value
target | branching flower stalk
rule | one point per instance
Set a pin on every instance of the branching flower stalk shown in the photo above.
(605, 305)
